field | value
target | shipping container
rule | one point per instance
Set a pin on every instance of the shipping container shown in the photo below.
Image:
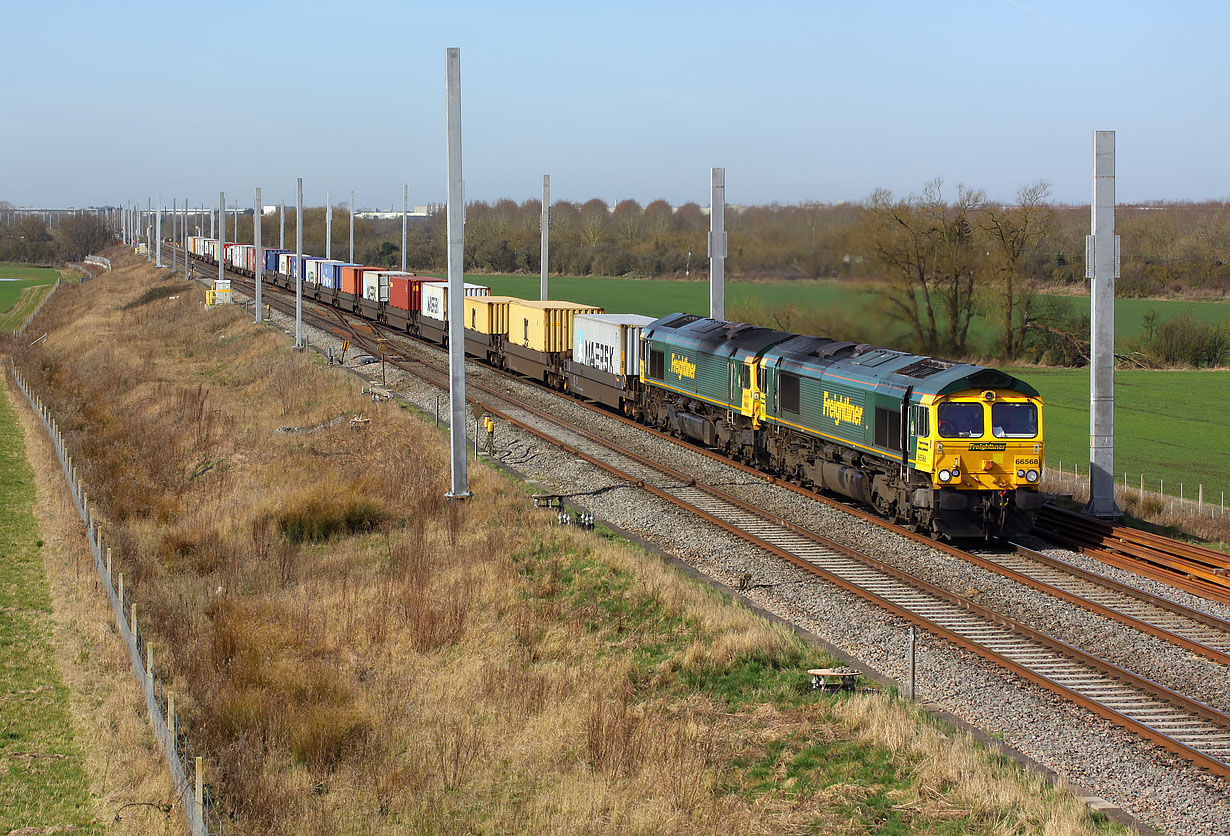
(272, 260)
(406, 290)
(284, 260)
(300, 269)
(544, 325)
(435, 298)
(352, 279)
(609, 342)
(376, 284)
(488, 314)
(331, 273)
(315, 270)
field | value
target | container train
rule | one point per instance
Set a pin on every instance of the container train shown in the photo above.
(950, 449)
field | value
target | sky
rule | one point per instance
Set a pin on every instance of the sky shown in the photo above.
(107, 102)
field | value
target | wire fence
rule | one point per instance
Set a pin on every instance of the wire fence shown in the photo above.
(203, 814)
(99, 260)
(1184, 499)
(38, 308)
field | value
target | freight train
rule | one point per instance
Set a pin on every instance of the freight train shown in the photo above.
(950, 449)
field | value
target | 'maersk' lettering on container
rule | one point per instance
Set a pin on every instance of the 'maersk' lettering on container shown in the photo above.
(840, 409)
(601, 356)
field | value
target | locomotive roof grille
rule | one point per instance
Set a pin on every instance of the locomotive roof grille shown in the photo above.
(924, 368)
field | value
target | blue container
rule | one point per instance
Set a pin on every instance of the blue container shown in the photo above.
(271, 260)
(332, 274)
(301, 266)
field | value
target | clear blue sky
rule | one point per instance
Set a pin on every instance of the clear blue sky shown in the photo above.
(826, 101)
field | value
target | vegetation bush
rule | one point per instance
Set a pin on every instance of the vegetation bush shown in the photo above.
(1185, 341)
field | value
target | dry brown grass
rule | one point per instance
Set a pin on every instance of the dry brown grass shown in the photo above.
(433, 668)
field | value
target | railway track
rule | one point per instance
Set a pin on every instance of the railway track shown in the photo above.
(1188, 727)
(1192, 568)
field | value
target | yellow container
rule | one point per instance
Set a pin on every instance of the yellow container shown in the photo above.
(545, 325)
(488, 314)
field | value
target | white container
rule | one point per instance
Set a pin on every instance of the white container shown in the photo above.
(314, 269)
(376, 284)
(609, 342)
(284, 260)
(435, 298)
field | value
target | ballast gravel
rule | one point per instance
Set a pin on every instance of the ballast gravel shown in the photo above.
(1157, 787)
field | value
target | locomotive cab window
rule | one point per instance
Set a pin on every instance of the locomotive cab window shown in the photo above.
(922, 427)
(745, 377)
(789, 386)
(657, 363)
(1014, 420)
(961, 420)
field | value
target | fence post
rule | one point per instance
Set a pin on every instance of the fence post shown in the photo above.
(1200, 501)
(200, 787)
(171, 720)
(149, 663)
(108, 564)
(134, 622)
(911, 664)
(120, 593)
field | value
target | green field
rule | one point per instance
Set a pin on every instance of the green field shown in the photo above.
(21, 289)
(655, 297)
(1168, 425)
(42, 779)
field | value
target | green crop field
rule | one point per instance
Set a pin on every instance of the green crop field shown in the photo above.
(1169, 425)
(658, 297)
(42, 779)
(21, 289)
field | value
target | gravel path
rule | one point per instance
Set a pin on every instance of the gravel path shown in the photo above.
(1147, 781)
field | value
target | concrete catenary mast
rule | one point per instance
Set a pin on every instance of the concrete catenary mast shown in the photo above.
(456, 299)
(1102, 266)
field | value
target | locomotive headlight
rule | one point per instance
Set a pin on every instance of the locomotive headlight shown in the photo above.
(1020, 474)
(956, 473)
(945, 475)
(1031, 476)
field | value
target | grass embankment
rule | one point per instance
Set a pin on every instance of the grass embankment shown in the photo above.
(42, 780)
(354, 655)
(21, 289)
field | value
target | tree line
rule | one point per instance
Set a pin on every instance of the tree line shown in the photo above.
(29, 240)
(938, 257)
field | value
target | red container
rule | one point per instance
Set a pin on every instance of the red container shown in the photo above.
(406, 292)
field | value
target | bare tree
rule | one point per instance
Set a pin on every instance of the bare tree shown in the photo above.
(1013, 232)
(929, 248)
